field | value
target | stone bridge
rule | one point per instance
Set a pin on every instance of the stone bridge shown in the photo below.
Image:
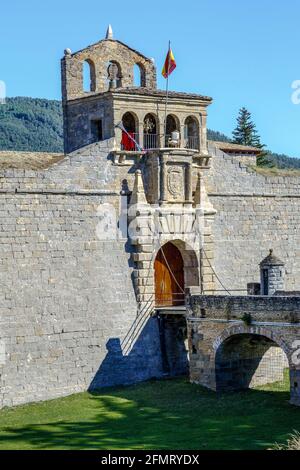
(237, 343)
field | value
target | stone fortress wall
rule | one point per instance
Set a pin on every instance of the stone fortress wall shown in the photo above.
(68, 306)
(254, 213)
(69, 316)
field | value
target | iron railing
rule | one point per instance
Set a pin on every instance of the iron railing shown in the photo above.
(192, 143)
(150, 141)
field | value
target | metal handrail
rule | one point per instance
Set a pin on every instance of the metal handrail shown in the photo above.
(150, 141)
(192, 142)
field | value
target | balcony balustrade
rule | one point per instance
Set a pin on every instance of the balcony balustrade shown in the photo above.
(151, 141)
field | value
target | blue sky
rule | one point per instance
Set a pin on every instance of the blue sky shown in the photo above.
(240, 53)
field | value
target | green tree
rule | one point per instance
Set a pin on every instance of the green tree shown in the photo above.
(245, 133)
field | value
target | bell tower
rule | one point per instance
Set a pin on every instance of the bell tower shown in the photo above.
(160, 138)
(108, 69)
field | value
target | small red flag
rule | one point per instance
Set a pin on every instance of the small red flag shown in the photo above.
(170, 64)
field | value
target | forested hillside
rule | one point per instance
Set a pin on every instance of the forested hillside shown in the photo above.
(33, 124)
(217, 136)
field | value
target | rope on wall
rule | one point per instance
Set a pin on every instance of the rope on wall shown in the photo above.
(221, 283)
(172, 274)
(217, 277)
(174, 277)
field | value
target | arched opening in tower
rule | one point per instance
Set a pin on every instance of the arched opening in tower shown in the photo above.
(191, 133)
(139, 75)
(88, 76)
(114, 75)
(172, 125)
(130, 136)
(150, 131)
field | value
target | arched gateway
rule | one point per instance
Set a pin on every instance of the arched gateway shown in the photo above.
(169, 277)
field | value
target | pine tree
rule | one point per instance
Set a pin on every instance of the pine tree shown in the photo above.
(245, 133)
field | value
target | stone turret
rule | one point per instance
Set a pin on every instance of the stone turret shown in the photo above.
(271, 274)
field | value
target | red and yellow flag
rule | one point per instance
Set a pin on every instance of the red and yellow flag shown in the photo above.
(170, 64)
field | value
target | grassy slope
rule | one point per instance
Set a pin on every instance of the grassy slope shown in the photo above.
(156, 415)
(265, 171)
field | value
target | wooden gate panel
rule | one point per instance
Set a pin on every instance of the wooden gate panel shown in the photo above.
(169, 277)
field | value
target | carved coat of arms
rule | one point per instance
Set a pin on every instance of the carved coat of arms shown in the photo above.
(175, 182)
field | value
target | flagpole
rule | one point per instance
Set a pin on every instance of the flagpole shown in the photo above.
(167, 92)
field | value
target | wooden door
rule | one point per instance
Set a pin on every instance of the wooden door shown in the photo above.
(169, 277)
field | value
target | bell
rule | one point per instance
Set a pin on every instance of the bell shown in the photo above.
(175, 136)
(174, 140)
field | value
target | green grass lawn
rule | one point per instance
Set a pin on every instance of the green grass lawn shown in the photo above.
(171, 414)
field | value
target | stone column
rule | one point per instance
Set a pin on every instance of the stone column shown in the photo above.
(117, 117)
(118, 138)
(140, 132)
(188, 188)
(163, 179)
(203, 134)
(161, 131)
(182, 134)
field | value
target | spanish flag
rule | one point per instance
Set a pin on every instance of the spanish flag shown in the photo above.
(170, 64)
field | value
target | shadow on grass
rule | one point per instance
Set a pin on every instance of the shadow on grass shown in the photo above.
(157, 415)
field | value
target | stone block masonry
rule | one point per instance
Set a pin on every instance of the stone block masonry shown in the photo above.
(67, 302)
(68, 309)
(254, 213)
(75, 307)
(66, 299)
(69, 318)
(228, 352)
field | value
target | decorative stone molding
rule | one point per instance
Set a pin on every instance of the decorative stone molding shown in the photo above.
(162, 209)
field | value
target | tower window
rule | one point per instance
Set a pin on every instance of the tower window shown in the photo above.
(114, 75)
(89, 76)
(139, 75)
(96, 130)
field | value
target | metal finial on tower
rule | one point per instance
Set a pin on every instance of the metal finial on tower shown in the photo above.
(109, 32)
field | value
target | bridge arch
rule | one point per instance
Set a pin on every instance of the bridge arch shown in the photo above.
(254, 330)
(250, 356)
